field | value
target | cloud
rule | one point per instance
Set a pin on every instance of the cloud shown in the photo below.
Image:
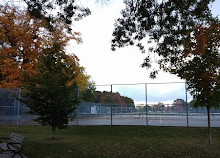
(165, 93)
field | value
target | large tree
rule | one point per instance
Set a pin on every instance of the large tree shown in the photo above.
(165, 23)
(200, 67)
(48, 93)
(185, 36)
(22, 41)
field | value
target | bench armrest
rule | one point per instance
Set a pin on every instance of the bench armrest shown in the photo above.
(17, 149)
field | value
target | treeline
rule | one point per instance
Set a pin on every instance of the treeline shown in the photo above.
(105, 98)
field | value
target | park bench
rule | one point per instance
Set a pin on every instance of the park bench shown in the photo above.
(13, 144)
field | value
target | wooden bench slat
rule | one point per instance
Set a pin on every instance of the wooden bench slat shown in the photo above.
(3, 146)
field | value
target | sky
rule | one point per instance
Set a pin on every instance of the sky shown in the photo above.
(122, 66)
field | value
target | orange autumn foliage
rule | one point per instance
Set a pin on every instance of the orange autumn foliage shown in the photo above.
(200, 39)
(23, 39)
(19, 46)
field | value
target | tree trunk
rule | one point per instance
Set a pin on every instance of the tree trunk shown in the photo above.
(53, 129)
(209, 128)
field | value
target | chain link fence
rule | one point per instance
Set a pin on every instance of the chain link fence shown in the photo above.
(169, 108)
(169, 115)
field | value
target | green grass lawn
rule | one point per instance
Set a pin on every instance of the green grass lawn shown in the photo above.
(117, 142)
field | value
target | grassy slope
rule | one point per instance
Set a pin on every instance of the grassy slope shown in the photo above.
(117, 141)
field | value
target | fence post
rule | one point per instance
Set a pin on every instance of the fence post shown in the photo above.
(77, 120)
(15, 104)
(18, 111)
(111, 104)
(187, 115)
(146, 104)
